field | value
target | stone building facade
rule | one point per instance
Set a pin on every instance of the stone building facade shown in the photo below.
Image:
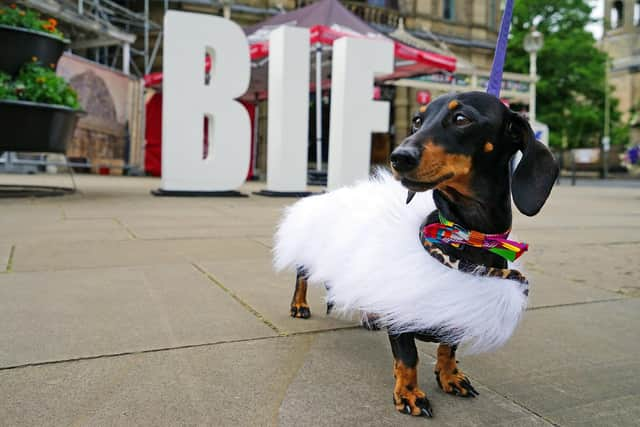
(621, 41)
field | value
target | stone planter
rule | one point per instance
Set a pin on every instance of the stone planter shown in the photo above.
(20, 45)
(35, 127)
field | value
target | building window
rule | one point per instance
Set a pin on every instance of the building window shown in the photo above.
(617, 14)
(636, 13)
(391, 4)
(492, 14)
(448, 10)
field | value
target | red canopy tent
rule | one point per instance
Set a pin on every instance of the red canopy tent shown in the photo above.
(329, 20)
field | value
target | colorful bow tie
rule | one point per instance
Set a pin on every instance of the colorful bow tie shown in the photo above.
(455, 235)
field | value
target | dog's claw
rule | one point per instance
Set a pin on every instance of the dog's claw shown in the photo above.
(459, 387)
(425, 407)
(410, 195)
(329, 307)
(419, 408)
(300, 312)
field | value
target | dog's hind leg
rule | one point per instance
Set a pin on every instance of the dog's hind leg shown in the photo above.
(449, 378)
(299, 305)
(407, 397)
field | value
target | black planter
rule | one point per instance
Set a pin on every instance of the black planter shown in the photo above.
(20, 45)
(34, 127)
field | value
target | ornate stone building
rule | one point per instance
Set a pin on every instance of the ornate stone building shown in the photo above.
(621, 41)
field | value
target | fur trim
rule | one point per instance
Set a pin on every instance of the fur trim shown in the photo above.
(362, 243)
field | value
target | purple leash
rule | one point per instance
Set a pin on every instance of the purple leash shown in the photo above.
(495, 78)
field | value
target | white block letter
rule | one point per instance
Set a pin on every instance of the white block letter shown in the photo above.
(187, 100)
(354, 114)
(288, 120)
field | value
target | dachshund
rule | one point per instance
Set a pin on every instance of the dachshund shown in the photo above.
(460, 147)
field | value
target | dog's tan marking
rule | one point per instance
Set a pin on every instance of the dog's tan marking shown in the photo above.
(449, 378)
(453, 105)
(423, 108)
(436, 163)
(406, 390)
(488, 147)
(299, 305)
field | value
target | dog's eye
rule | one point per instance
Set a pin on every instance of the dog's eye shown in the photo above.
(417, 122)
(461, 120)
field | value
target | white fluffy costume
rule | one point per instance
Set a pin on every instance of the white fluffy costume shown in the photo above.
(362, 242)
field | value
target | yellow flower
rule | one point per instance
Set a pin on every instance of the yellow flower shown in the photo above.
(34, 58)
(40, 80)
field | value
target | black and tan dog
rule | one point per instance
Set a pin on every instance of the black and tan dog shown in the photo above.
(460, 147)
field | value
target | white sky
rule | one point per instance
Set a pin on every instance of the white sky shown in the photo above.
(597, 12)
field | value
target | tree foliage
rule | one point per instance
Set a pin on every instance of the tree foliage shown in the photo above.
(570, 92)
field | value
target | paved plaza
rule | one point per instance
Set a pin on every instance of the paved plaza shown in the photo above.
(120, 308)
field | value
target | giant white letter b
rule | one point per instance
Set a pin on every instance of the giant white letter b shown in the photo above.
(187, 100)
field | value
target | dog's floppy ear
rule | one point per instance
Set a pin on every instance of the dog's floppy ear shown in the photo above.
(537, 171)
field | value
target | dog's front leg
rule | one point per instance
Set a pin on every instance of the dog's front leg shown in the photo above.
(407, 397)
(449, 377)
(299, 306)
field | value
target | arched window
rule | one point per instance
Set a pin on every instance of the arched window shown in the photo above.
(636, 13)
(617, 14)
(448, 10)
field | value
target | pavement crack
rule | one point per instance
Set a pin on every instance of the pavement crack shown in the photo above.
(172, 348)
(261, 243)
(9, 266)
(542, 307)
(131, 234)
(243, 303)
(521, 406)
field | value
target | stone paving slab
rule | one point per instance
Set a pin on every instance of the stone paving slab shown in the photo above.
(217, 232)
(611, 267)
(347, 380)
(64, 230)
(255, 282)
(552, 237)
(235, 384)
(564, 363)
(554, 290)
(83, 313)
(45, 256)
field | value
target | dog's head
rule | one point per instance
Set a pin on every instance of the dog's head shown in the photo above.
(464, 141)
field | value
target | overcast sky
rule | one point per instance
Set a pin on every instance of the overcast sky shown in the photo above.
(598, 9)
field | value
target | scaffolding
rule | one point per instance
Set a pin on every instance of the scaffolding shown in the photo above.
(98, 25)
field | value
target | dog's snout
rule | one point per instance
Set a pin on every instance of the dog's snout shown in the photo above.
(404, 159)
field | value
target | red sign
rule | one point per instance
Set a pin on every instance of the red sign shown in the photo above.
(423, 97)
(377, 92)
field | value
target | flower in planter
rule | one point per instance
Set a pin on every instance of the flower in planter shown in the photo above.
(13, 16)
(38, 84)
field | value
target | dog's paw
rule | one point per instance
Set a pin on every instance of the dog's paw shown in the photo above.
(456, 383)
(413, 402)
(300, 310)
(369, 322)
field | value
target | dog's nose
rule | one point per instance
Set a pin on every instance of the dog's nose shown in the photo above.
(404, 159)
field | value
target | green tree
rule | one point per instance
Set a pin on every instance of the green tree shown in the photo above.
(570, 93)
